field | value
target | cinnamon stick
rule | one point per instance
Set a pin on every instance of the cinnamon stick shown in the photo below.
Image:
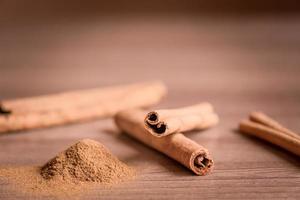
(4, 111)
(262, 118)
(274, 136)
(168, 121)
(177, 146)
(76, 106)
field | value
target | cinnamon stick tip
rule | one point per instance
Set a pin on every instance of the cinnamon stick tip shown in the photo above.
(255, 113)
(216, 119)
(201, 163)
(243, 123)
(160, 85)
(208, 104)
(157, 130)
(152, 118)
(4, 111)
(153, 125)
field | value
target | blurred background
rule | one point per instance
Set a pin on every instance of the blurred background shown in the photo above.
(240, 55)
(206, 49)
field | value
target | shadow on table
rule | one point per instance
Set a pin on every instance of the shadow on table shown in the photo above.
(272, 148)
(147, 154)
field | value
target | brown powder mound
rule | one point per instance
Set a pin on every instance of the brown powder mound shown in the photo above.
(27, 181)
(81, 167)
(86, 161)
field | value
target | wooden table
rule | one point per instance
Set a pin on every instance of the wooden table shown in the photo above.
(239, 64)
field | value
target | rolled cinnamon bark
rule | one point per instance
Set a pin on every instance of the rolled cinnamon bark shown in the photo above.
(268, 121)
(76, 106)
(276, 137)
(176, 146)
(168, 121)
(134, 94)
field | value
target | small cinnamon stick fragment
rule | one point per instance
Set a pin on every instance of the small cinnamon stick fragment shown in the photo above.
(177, 146)
(77, 106)
(168, 121)
(264, 127)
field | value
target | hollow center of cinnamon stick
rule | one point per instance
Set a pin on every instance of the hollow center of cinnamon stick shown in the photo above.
(159, 128)
(202, 162)
(3, 111)
(152, 117)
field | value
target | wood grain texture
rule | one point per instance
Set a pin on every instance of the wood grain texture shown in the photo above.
(237, 64)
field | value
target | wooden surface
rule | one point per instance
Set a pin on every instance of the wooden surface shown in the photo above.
(239, 64)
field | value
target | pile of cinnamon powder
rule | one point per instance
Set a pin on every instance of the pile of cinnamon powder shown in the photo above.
(86, 163)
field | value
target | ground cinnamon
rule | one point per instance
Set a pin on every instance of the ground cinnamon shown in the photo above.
(82, 166)
(176, 146)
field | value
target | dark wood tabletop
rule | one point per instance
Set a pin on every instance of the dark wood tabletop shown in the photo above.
(239, 64)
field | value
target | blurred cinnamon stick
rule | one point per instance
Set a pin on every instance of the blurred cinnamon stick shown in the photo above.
(264, 127)
(262, 118)
(177, 146)
(168, 121)
(76, 106)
